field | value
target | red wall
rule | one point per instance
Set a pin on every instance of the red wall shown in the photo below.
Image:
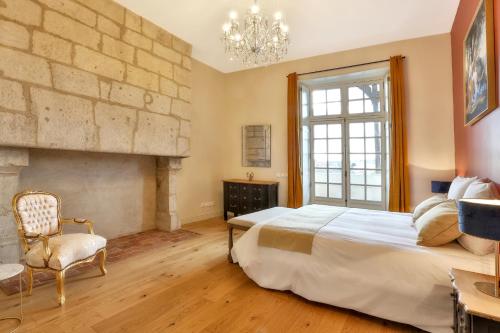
(477, 147)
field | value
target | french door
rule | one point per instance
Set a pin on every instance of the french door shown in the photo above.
(366, 160)
(328, 162)
(347, 150)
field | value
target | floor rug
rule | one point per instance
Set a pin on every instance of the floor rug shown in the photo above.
(118, 249)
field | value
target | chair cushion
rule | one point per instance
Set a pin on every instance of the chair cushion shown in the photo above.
(38, 213)
(66, 249)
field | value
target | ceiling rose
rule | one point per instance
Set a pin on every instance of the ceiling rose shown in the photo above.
(256, 41)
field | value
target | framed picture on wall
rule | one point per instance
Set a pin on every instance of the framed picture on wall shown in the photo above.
(256, 146)
(479, 65)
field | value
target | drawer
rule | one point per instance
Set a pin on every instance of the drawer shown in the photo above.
(259, 196)
(244, 208)
(233, 200)
(258, 190)
(246, 190)
(233, 189)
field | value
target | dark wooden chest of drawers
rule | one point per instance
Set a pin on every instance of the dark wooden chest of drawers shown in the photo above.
(243, 196)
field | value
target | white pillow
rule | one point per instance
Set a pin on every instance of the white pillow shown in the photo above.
(481, 190)
(427, 205)
(476, 245)
(459, 186)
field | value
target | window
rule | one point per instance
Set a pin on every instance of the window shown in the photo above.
(328, 160)
(344, 148)
(326, 102)
(364, 98)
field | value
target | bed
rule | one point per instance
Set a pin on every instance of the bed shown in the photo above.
(359, 259)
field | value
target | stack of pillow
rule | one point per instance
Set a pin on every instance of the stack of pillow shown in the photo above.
(436, 218)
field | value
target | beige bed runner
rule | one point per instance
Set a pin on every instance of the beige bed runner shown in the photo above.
(296, 231)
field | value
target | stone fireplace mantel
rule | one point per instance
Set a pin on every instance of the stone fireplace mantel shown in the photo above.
(105, 81)
(13, 160)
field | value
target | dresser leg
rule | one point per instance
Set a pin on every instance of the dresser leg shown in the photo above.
(230, 243)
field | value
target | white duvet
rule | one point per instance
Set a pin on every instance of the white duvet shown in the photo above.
(366, 261)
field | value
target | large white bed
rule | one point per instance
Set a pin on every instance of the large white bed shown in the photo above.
(362, 260)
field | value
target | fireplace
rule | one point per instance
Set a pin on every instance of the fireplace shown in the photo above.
(83, 101)
(122, 194)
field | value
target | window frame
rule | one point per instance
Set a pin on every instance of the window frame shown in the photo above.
(345, 118)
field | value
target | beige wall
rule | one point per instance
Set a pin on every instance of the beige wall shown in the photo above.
(199, 181)
(117, 192)
(259, 96)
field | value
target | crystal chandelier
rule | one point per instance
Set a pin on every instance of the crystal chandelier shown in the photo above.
(256, 41)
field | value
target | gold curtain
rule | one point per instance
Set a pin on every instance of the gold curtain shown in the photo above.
(294, 177)
(399, 191)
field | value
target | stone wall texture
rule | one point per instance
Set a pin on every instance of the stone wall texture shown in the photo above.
(90, 75)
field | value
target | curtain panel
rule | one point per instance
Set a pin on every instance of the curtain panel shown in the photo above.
(399, 185)
(294, 174)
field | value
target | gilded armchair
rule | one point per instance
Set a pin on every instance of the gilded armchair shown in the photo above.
(40, 229)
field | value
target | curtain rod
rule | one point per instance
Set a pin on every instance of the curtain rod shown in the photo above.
(344, 67)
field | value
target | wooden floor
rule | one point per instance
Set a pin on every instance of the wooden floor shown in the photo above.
(187, 287)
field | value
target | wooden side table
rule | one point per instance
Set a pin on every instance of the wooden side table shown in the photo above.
(474, 311)
(8, 271)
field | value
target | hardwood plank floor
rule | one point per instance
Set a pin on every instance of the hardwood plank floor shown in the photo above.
(186, 287)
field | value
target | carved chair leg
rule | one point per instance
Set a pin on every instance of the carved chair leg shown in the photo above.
(60, 287)
(29, 272)
(102, 262)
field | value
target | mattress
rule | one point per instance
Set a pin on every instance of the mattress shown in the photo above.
(249, 220)
(367, 261)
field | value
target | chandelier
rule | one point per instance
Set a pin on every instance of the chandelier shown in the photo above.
(255, 41)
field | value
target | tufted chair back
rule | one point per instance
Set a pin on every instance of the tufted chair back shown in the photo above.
(37, 212)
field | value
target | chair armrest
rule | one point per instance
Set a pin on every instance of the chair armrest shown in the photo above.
(45, 242)
(88, 223)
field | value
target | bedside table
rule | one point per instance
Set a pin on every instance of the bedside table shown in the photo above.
(474, 311)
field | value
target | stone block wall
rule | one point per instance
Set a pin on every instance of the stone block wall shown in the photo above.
(90, 75)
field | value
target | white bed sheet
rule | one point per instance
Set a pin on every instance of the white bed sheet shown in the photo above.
(367, 261)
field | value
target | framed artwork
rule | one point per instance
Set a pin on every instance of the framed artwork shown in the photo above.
(479, 65)
(256, 146)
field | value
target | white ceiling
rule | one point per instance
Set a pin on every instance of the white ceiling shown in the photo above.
(316, 26)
